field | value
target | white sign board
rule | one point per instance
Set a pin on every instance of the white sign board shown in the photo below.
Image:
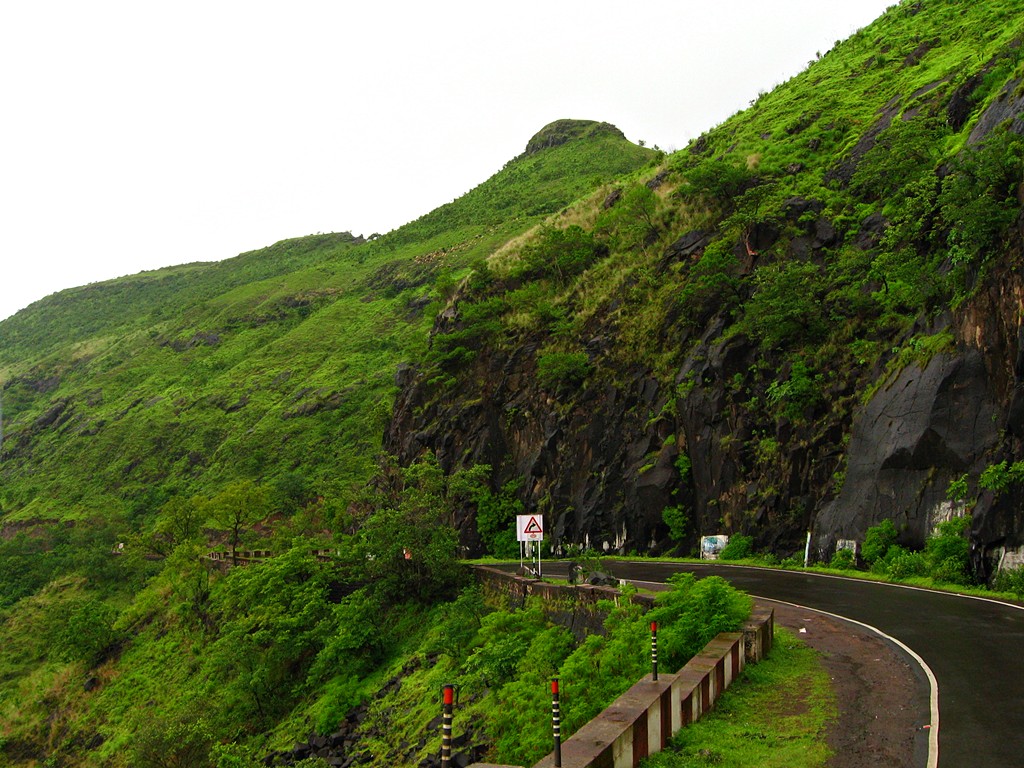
(850, 544)
(529, 527)
(711, 546)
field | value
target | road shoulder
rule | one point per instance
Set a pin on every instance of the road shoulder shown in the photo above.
(883, 701)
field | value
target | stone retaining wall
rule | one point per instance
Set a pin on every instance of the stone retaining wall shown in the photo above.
(224, 560)
(569, 606)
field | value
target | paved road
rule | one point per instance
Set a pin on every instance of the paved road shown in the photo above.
(975, 648)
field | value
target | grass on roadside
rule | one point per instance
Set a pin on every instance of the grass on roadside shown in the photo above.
(774, 716)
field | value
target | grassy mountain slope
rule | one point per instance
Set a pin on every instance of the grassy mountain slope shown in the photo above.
(121, 394)
(161, 410)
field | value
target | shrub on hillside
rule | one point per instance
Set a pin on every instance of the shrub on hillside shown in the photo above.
(786, 308)
(844, 559)
(693, 612)
(901, 563)
(948, 551)
(717, 181)
(496, 518)
(503, 640)
(161, 742)
(950, 571)
(739, 547)
(560, 253)
(677, 521)
(713, 284)
(523, 706)
(999, 477)
(1010, 580)
(557, 370)
(978, 200)
(88, 633)
(877, 541)
(23, 568)
(798, 393)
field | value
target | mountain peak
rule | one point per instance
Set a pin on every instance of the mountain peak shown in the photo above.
(563, 131)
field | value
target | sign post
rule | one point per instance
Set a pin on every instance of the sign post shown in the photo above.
(530, 533)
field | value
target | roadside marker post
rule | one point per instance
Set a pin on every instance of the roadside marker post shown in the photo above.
(654, 650)
(556, 722)
(446, 726)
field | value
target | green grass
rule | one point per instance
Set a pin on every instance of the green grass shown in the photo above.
(774, 716)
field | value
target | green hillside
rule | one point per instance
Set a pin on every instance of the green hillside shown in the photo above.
(239, 404)
(807, 320)
(278, 361)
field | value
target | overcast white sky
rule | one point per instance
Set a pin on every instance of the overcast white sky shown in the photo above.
(140, 134)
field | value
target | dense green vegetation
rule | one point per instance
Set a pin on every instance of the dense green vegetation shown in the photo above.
(503, 661)
(248, 657)
(241, 405)
(238, 405)
(169, 646)
(945, 559)
(274, 364)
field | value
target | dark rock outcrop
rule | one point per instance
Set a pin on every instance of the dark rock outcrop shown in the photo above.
(954, 416)
(927, 427)
(594, 463)
(688, 246)
(603, 462)
(1008, 107)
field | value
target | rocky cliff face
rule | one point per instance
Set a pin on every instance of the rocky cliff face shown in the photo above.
(932, 423)
(605, 459)
(593, 466)
(927, 426)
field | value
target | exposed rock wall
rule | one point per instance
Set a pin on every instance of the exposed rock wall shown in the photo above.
(602, 462)
(925, 428)
(581, 463)
(931, 424)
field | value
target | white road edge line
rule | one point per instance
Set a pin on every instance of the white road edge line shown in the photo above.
(933, 731)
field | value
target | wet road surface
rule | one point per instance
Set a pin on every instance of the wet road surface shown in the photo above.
(974, 647)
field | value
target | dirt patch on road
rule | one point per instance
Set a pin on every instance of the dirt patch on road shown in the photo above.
(883, 699)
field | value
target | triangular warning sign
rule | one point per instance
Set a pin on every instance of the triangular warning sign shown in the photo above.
(533, 526)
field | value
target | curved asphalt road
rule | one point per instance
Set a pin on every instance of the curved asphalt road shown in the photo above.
(974, 647)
